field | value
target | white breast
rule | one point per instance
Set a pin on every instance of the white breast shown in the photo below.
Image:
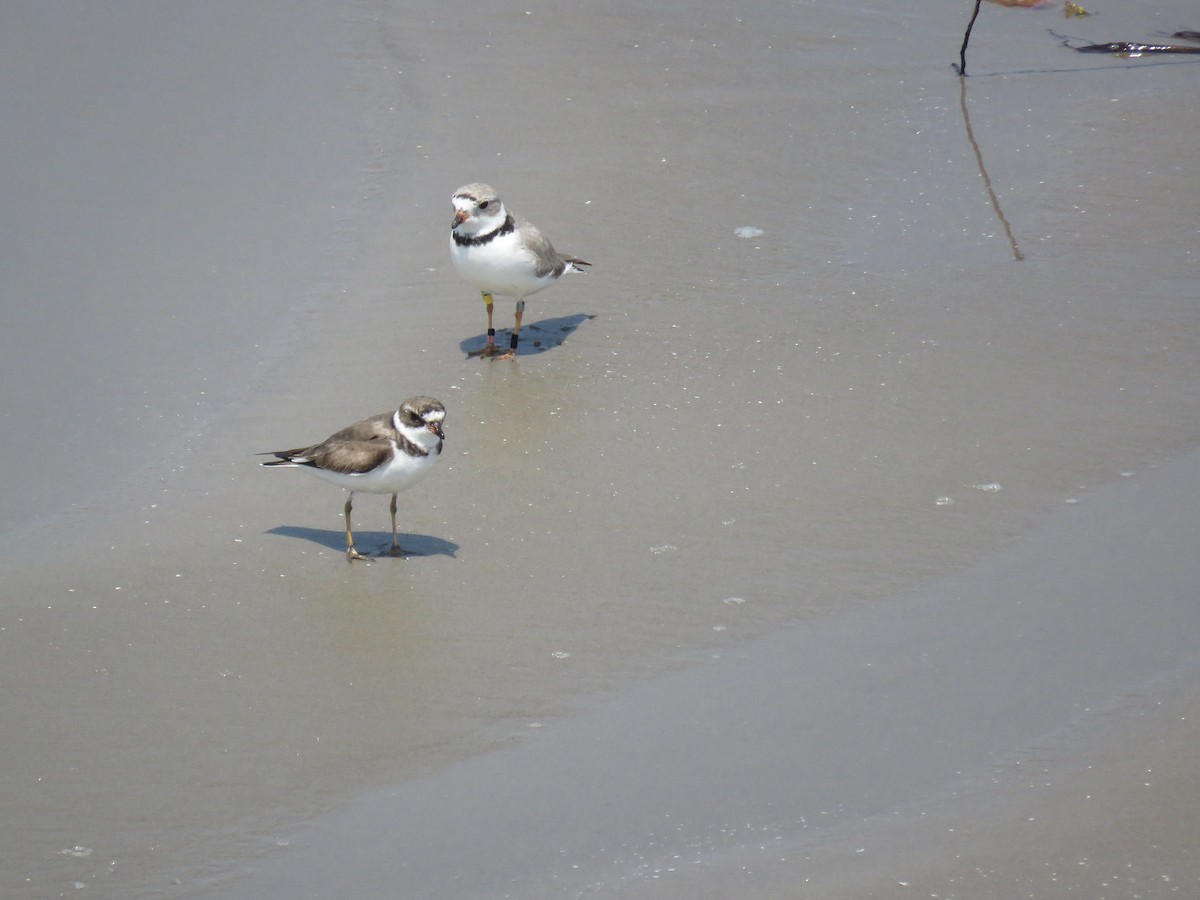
(501, 266)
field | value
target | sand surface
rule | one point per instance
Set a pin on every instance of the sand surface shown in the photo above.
(856, 558)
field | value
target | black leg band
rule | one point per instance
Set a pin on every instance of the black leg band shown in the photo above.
(491, 332)
(512, 345)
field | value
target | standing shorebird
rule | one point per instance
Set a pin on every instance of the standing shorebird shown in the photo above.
(384, 454)
(500, 253)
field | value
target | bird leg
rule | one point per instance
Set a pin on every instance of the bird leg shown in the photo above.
(351, 553)
(512, 344)
(490, 349)
(396, 551)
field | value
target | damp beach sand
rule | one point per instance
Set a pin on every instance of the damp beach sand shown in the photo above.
(833, 537)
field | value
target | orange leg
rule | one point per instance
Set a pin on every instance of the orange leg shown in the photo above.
(490, 349)
(512, 344)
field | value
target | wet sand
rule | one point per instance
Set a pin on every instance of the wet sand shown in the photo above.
(1017, 729)
(739, 504)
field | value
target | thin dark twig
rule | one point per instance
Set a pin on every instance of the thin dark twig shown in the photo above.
(962, 54)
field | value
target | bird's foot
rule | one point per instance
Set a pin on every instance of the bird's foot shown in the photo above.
(396, 551)
(507, 354)
(488, 351)
(352, 554)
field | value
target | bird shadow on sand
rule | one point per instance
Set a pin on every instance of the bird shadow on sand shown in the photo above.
(372, 544)
(536, 337)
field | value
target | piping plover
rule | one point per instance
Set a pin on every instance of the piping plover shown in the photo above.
(384, 454)
(500, 253)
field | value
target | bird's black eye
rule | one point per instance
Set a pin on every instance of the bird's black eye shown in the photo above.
(484, 204)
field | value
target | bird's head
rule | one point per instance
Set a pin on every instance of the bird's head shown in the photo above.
(478, 209)
(421, 421)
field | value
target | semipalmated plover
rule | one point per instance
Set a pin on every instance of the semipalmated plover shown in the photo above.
(384, 454)
(500, 253)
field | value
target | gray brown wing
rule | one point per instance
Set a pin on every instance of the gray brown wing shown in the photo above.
(376, 428)
(356, 448)
(350, 457)
(545, 256)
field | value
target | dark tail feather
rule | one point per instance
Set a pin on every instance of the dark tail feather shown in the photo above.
(284, 457)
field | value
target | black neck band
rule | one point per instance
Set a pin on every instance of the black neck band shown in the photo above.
(478, 240)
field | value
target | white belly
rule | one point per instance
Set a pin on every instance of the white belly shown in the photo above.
(399, 474)
(501, 266)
